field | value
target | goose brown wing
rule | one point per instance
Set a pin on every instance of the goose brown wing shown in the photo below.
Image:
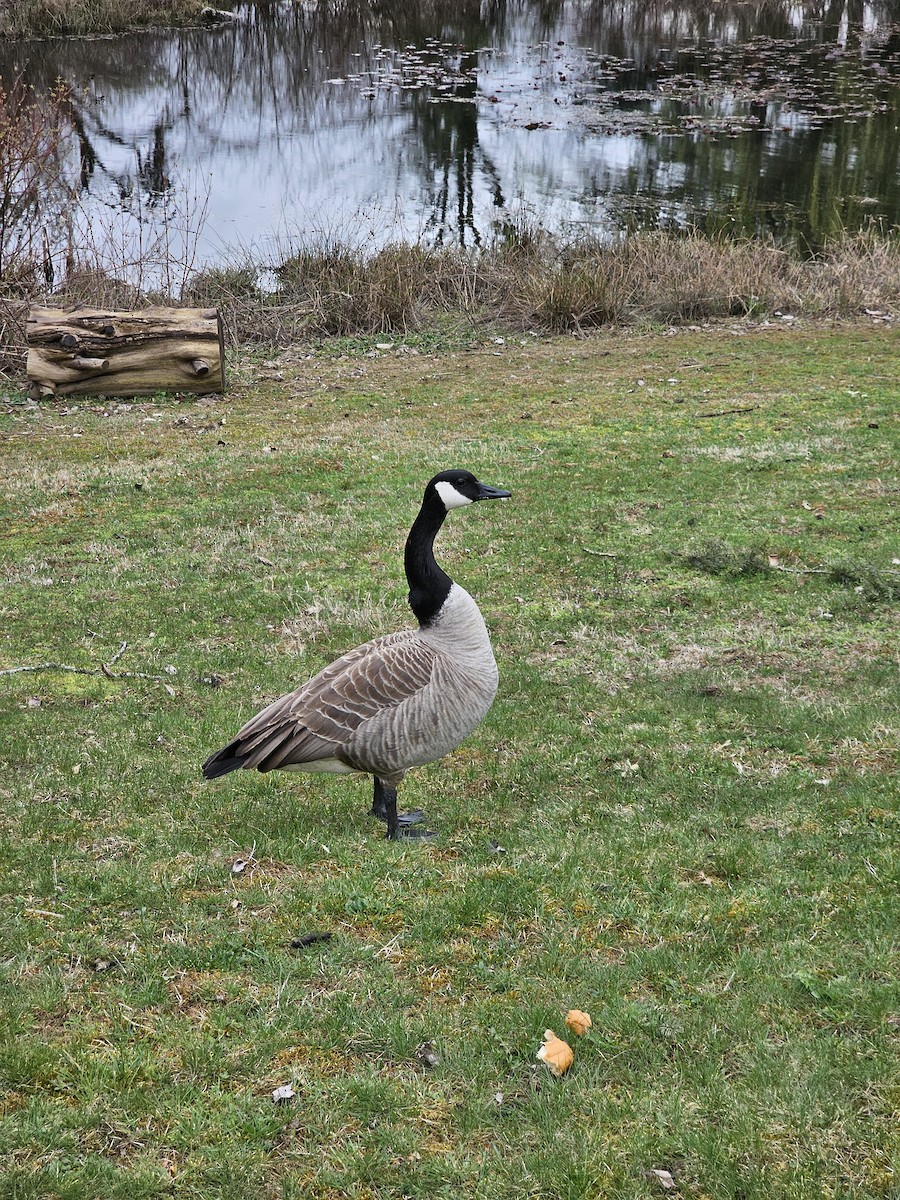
(318, 719)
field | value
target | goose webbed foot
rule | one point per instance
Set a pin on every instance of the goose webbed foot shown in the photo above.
(404, 832)
(399, 824)
(415, 817)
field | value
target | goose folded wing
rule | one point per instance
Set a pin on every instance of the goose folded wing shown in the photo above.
(314, 722)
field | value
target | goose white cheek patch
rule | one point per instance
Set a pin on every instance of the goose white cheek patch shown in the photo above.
(450, 496)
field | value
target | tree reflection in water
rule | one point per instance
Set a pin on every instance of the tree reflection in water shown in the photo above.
(448, 120)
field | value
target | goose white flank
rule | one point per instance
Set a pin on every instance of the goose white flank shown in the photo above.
(396, 702)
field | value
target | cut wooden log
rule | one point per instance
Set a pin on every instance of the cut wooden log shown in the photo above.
(95, 352)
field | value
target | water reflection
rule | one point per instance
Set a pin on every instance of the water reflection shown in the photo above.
(448, 120)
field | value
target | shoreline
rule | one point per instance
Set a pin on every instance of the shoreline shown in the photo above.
(531, 285)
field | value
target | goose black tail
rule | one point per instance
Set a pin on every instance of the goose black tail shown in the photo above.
(223, 762)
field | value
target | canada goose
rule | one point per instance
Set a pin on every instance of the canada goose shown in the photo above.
(398, 701)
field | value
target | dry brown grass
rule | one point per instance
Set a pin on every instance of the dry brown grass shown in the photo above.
(533, 282)
(543, 284)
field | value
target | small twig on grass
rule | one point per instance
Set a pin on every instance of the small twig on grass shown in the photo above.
(118, 654)
(55, 666)
(103, 669)
(599, 553)
(49, 666)
(727, 412)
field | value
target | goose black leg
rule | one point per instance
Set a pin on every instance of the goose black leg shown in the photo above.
(399, 825)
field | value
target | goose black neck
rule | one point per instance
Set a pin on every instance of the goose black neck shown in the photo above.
(429, 586)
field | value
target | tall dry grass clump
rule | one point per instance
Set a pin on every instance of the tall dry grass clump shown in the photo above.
(697, 278)
(857, 272)
(346, 293)
(578, 288)
(333, 288)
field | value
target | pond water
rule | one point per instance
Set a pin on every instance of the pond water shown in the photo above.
(454, 121)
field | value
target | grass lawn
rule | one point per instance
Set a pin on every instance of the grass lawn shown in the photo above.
(678, 816)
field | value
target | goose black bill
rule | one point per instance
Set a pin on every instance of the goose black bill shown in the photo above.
(486, 492)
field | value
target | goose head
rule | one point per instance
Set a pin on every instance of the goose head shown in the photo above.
(455, 489)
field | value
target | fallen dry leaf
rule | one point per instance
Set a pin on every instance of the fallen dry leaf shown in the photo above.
(555, 1054)
(579, 1022)
(663, 1178)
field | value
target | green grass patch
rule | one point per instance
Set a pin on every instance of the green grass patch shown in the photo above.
(680, 814)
